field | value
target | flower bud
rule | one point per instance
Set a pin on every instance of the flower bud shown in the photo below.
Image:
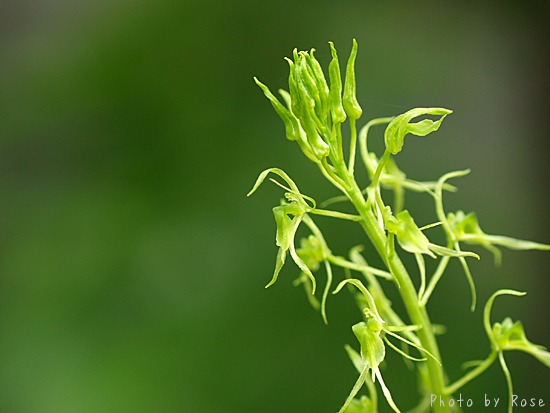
(395, 133)
(292, 127)
(351, 105)
(307, 92)
(335, 95)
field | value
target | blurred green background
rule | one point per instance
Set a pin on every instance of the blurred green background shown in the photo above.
(132, 265)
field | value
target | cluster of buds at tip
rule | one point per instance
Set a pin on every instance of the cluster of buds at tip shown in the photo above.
(314, 109)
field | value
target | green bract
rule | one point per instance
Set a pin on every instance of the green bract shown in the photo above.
(314, 112)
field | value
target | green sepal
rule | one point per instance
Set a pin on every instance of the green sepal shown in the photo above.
(373, 350)
(351, 105)
(399, 127)
(413, 240)
(408, 234)
(285, 224)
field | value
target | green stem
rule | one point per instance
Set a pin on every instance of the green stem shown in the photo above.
(434, 280)
(416, 312)
(472, 374)
(352, 146)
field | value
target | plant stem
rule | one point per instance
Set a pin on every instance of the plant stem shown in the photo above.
(472, 374)
(416, 312)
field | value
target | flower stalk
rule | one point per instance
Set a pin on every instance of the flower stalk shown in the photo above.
(313, 115)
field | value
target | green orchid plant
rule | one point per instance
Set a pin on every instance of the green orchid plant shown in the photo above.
(313, 112)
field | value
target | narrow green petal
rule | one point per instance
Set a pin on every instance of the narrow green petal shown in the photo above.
(402, 353)
(410, 343)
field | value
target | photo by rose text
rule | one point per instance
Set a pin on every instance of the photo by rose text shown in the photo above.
(461, 401)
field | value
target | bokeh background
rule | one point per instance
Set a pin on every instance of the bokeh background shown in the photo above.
(132, 265)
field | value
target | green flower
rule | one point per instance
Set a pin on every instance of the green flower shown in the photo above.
(312, 252)
(466, 228)
(413, 240)
(402, 126)
(509, 335)
(372, 335)
(288, 217)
